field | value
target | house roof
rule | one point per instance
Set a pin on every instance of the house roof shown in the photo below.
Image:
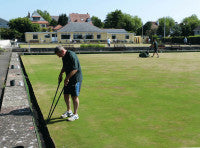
(55, 18)
(37, 15)
(80, 27)
(40, 22)
(57, 27)
(154, 25)
(75, 17)
(197, 29)
(3, 23)
(115, 30)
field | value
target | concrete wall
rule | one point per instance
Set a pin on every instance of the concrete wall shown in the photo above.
(5, 43)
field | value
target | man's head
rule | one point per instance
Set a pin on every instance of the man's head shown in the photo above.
(60, 51)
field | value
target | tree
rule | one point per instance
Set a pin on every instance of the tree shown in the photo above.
(137, 22)
(63, 19)
(7, 33)
(44, 29)
(144, 28)
(113, 19)
(120, 20)
(45, 15)
(130, 23)
(176, 30)
(97, 22)
(189, 24)
(23, 25)
(165, 23)
(53, 23)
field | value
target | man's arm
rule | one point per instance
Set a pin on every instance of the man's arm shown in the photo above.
(60, 75)
(73, 72)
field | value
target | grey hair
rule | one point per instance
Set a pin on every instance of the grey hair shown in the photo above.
(58, 49)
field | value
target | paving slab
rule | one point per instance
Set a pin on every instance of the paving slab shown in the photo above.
(16, 118)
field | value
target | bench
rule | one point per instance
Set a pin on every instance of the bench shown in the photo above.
(69, 46)
(161, 47)
(34, 41)
(119, 46)
(176, 47)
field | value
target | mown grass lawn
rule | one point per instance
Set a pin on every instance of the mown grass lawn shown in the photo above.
(125, 101)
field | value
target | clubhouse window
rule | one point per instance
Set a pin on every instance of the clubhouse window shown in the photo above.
(65, 36)
(98, 36)
(47, 35)
(113, 36)
(36, 18)
(127, 37)
(89, 36)
(78, 36)
(35, 36)
(54, 35)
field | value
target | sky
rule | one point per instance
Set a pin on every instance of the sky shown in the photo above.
(147, 10)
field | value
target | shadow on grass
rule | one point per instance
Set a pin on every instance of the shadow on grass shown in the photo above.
(55, 120)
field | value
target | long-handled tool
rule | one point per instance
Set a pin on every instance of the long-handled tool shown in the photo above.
(51, 113)
(53, 100)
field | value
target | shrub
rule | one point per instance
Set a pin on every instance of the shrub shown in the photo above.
(1, 50)
(194, 39)
(91, 46)
(180, 39)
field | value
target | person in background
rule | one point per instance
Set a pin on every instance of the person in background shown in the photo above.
(108, 42)
(185, 40)
(155, 48)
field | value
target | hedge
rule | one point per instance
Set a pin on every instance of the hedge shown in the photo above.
(180, 40)
(91, 45)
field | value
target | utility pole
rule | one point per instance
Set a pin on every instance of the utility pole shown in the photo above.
(0, 33)
(164, 26)
(142, 32)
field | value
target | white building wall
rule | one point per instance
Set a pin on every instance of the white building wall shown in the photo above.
(5, 43)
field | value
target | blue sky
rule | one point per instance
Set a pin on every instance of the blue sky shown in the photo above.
(147, 10)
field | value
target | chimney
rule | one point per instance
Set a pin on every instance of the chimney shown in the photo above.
(29, 15)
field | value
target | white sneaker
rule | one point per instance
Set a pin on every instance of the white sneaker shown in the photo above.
(67, 114)
(73, 117)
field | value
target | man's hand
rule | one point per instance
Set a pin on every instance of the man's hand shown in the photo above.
(66, 81)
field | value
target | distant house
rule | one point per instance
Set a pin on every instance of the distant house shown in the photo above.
(154, 25)
(37, 19)
(3, 23)
(81, 18)
(197, 31)
(153, 29)
(55, 18)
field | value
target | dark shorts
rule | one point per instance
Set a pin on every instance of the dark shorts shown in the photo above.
(155, 50)
(73, 89)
